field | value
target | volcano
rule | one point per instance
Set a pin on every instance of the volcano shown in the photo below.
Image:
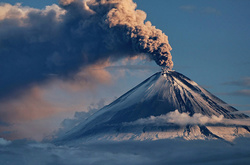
(160, 94)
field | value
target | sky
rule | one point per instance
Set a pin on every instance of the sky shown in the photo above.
(209, 40)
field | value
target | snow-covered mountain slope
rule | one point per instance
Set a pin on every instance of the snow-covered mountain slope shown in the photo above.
(158, 95)
(189, 132)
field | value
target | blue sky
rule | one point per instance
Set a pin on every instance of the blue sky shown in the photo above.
(210, 41)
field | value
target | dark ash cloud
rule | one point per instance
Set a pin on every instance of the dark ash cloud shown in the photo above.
(61, 44)
(61, 40)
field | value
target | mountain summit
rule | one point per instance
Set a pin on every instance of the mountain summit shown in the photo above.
(161, 94)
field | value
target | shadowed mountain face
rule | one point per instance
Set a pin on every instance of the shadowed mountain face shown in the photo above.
(158, 95)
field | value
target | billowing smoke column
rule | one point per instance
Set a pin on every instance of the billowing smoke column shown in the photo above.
(126, 26)
(60, 40)
(144, 38)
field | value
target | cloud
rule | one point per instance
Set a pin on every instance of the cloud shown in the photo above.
(35, 129)
(205, 10)
(86, 79)
(63, 40)
(4, 124)
(132, 67)
(66, 46)
(8, 11)
(128, 152)
(30, 106)
(188, 8)
(69, 123)
(66, 2)
(33, 114)
(211, 10)
(244, 82)
(243, 92)
(4, 142)
(29, 115)
(183, 119)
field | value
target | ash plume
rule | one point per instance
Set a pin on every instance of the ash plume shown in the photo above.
(61, 40)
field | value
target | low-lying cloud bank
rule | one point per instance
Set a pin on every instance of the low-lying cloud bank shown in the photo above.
(183, 119)
(123, 153)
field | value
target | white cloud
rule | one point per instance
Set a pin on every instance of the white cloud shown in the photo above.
(184, 118)
(4, 142)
